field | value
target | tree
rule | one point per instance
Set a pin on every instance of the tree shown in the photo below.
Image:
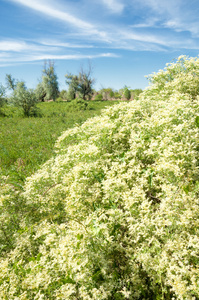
(72, 81)
(85, 83)
(40, 92)
(80, 84)
(117, 95)
(98, 97)
(10, 82)
(24, 98)
(48, 88)
(126, 92)
(107, 93)
(63, 94)
(2, 96)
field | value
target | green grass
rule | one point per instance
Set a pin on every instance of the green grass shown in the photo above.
(26, 143)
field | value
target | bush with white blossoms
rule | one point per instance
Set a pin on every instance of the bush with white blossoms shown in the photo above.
(115, 214)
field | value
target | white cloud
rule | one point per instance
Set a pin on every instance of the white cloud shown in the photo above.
(51, 11)
(63, 44)
(23, 46)
(169, 7)
(70, 57)
(45, 8)
(14, 46)
(10, 59)
(114, 5)
(177, 15)
(148, 38)
(148, 35)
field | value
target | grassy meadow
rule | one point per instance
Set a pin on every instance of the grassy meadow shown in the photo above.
(26, 143)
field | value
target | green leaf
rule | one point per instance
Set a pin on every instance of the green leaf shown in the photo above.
(68, 280)
(80, 236)
(197, 121)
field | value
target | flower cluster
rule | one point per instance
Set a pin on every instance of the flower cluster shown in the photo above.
(115, 214)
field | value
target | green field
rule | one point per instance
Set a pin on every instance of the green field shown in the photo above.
(26, 143)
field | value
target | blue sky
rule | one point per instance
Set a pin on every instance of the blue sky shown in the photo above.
(123, 40)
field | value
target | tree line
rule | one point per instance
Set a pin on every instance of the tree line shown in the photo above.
(79, 86)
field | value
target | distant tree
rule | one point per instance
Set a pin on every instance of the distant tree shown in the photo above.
(136, 92)
(117, 95)
(85, 83)
(98, 97)
(40, 92)
(73, 82)
(81, 84)
(24, 98)
(126, 93)
(111, 94)
(107, 93)
(48, 88)
(10, 82)
(2, 95)
(63, 94)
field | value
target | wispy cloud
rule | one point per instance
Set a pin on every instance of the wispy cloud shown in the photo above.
(14, 52)
(14, 46)
(114, 5)
(51, 11)
(161, 30)
(168, 7)
(70, 57)
(57, 43)
(23, 46)
(47, 9)
(177, 15)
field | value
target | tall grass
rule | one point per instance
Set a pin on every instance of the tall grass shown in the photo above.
(26, 143)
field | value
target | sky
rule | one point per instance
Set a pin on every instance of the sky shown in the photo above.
(123, 40)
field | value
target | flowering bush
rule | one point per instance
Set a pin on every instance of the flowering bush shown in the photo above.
(115, 214)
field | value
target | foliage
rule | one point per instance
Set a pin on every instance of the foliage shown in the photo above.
(10, 82)
(85, 84)
(114, 215)
(78, 104)
(98, 97)
(48, 88)
(107, 93)
(126, 92)
(63, 95)
(2, 95)
(40, 92)
(73, 82)
(80, 84)
(24, 98)
(135, 93)
(2, 98)
(117, 95)
(183, 76)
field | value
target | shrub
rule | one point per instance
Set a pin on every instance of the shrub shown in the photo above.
(117, 95)
(63, 94)
(78, 104)
(115, 214)
(24, 98)
(59, 99)
(98, 97)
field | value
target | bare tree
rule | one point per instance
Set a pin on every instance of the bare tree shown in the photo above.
(81, 84)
